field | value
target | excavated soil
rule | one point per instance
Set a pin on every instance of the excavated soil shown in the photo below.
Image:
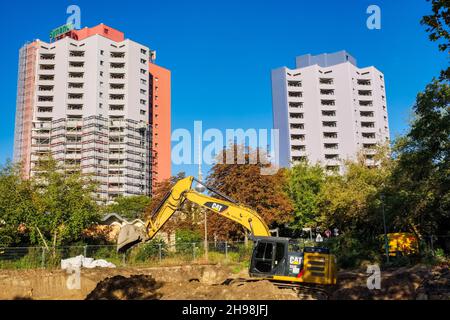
(215, 282)
(419, 282)
(136, 287)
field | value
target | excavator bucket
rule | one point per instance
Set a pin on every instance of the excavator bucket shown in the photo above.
(129, 236)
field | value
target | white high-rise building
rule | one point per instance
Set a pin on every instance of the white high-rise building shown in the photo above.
(328, 110)
(86, 98)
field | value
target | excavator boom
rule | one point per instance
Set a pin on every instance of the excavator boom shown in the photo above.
(180, 192)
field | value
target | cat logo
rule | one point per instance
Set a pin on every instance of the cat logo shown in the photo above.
(295, 260)
(216, 206)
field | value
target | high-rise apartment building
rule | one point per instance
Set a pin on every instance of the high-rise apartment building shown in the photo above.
(328, 110)
(98, 103)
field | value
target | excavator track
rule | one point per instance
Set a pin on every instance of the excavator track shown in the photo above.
(303, 290)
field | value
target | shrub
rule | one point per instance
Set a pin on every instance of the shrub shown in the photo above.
(150, 250)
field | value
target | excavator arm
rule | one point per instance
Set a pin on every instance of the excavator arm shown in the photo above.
(180, 192)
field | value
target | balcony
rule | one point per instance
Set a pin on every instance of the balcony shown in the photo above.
(293, 84)
(117, 66)
(328, 102)
(364, 82)
(75, 69)
(46, 72)
(75, 75)
(297, 131)
(44, 109)
(46, 57)
(326, 93)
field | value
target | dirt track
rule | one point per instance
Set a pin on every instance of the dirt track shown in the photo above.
(209, 282)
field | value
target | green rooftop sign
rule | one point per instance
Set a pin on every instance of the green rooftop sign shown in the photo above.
(61, 30)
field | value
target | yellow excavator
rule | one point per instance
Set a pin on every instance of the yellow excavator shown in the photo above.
(275, 258)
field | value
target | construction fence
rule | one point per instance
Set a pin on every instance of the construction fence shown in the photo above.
(148, 254)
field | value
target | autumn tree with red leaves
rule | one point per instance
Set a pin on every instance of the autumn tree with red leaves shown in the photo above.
(245, 184)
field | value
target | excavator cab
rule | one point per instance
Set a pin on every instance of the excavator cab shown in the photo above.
(281, 259)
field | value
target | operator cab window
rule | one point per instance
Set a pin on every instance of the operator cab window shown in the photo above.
(263, 257)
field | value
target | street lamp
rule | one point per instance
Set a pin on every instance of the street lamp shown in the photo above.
(386, 242)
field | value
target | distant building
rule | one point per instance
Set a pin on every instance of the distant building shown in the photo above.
(98, 103)
(328, 110)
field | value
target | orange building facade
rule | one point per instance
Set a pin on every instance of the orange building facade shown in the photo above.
(160, 120)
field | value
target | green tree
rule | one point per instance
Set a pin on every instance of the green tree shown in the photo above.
(304, 185)
(129, 207)
(438, 26)
(421, 179)
(15, 204)
(351, 202)
(63, 204)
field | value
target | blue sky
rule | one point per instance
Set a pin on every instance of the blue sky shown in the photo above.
(221, 52)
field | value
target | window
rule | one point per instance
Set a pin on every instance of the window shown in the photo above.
(330, 145)
(143, 101)
(295, 94)
(116, 107)
(46, 77)
(365, 92)
(298, 148)
(294, 83)
(328, 102)
(331, 156)
(300, 137)
(327, 92)
(143, 112)
(143, 91)
(143, 71)
(47, 66)
(76, 64)
(143, 61)
(117, 54)
(143, 51)
(263, 257)
(74, 53)
(369, 135)
(326, 81)
(101, 52)
(74, 107)
(294, 115)
(330, 135)
(101, 73)
(368, 124)
(364, 82)
(76, 74)
(45, 98)
(329, 123)
(101, 62)
(296, 104)
(143, 81)
(366, 113)
(76, 85)
(329, 113)
(297, 126)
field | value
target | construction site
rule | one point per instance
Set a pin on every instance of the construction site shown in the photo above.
(215, 282)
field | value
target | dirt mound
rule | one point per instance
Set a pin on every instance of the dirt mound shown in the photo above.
(418, 282)
(258, 290)
(135, 287)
